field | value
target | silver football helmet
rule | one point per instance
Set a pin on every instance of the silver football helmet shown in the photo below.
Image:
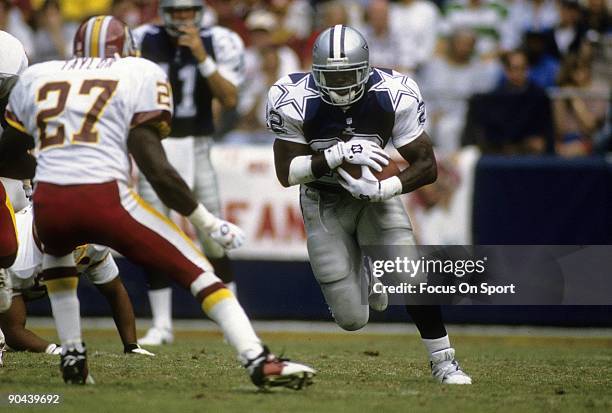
(173, 26)
(340, 65)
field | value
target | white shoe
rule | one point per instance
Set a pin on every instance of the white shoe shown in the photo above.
(267, 370)
(445, 368)
(136, 349)
(6, 292)
(156, 337)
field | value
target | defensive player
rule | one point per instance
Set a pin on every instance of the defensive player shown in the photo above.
(93, 261)
(13, 62)
(203, 65)
(346, 111)
(86, 116)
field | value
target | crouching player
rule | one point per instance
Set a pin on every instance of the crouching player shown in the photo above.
(92, 261)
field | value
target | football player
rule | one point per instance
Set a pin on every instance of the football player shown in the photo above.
(13, 61)
(93, 261)
(86, 116)
(203, 65)
(346, 111)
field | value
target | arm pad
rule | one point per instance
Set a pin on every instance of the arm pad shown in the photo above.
(300, 170)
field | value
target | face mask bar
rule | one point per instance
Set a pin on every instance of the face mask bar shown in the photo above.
(342, 95)
(173, 26)
(7, 81)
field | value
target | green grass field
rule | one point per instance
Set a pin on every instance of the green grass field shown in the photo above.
(357, 373)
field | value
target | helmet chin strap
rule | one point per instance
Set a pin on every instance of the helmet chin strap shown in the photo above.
(341, 100)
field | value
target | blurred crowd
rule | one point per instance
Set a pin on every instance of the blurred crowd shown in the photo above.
(511, 76)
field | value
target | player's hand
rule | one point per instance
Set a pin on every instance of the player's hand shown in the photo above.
(228, 235)
(190, 37)
(357, 152)
(364, 189)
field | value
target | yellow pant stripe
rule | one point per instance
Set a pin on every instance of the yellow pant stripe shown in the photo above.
(62, 284)
(147, 207)
(214, 298)
(9, 206)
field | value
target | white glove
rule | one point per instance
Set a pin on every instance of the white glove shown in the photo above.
(370, 189)
(27, 188)
(53, 349)
(357, 152)
(226, 234)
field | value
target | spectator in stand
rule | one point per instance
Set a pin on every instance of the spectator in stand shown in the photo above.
(265, 63)
(448, 81)
(295, 20)
(128, 12)
(580, 108)
(415, 22)
(485, 17)
(382, 42)
(570, 31)
(11, 21)
(53, 37)
(527, 15)
(543, 64)
(598, 18)
(78, 10)
(328, 14)
(515, 118)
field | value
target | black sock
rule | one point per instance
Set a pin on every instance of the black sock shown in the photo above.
(428, 319)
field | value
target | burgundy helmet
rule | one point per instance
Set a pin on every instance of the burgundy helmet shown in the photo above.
(104, 36)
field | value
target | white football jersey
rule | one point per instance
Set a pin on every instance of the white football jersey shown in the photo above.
(80, 112)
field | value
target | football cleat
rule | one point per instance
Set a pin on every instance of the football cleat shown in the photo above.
(6, 292)
(445, 369)
(267, 370)
(156, 337)
(73, 365)
(136, 349)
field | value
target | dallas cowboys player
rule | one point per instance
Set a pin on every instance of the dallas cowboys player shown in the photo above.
(346, 111)
(202, 64)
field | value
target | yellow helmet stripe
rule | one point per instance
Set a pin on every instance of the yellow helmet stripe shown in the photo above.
(95, 37)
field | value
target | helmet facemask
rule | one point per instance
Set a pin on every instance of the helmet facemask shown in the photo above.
(173, 26)
(341, 84)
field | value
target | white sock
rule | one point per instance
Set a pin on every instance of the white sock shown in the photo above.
(161, 307)
(236, 327)
(436, 344)
(66, 312)
(232, 287)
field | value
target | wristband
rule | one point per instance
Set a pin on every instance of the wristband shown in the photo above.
(207, 67)
(300, 170)
(334, 155)
(390, 187)
(202, 219)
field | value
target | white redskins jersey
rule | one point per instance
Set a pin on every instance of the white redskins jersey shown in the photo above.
(93, 261)
(80, 112)
(391, 110)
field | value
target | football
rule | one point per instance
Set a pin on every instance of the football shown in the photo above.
(356, 171)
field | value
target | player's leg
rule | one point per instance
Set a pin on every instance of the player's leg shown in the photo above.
(123, 313)
(334, 255)
(180, 155)
(56, 217)
(8, 247)
(17, 336)
(387, 223)
(151, 240)
(206, 190)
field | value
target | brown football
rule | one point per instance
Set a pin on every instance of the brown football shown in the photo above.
(388, 171)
